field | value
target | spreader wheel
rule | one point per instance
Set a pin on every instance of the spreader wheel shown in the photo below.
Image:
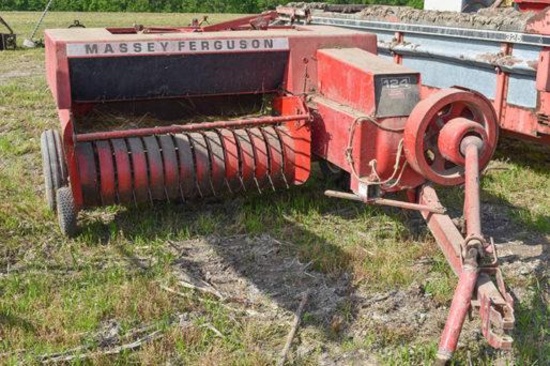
(53, 162)
(423, 131)
(66, 212)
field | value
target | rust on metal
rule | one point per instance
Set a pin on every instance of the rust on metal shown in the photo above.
(141, 132)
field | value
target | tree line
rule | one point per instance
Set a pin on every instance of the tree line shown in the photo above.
(173, 6)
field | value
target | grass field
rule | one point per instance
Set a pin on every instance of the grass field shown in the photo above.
(119, 282)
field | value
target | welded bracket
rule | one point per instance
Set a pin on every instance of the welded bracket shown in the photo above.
(497, 316)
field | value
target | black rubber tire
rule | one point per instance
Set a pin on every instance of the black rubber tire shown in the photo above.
(47, 171)
(61, 158)
(53, 163)
(66, 212)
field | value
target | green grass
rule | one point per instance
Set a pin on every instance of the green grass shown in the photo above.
(56, 293)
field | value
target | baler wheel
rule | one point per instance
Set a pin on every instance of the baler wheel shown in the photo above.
(66, 212)
(423, 130)
(53, 161)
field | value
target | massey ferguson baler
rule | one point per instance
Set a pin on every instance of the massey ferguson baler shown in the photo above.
(154, 114)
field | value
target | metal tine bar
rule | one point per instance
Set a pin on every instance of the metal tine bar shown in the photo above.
(135, 198)
(258, 185)
(242, 183)
(254, 159)
(240, 161)
(271, 182)
(211, 174)
(182, 195)
(199, 190)
(269, 157)
(228, 185)
(284, 178)
(213, 189)
(283, 173)
(212, 162)
(150, 197)
(194, 127)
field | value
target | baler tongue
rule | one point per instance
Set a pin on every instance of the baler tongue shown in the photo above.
(468, 144)
(449, 138)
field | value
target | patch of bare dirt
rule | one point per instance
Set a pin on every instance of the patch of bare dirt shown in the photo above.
(19, 65)
(7, 76)
(259, 275)
(255, 273)
(522, 252)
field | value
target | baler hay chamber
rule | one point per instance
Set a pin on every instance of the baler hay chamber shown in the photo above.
(183, 113)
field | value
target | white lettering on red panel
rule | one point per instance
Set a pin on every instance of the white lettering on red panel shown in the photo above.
(99, 49)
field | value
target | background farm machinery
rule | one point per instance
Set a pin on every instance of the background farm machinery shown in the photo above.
(8, 41)
(186, 113)
(501, 53)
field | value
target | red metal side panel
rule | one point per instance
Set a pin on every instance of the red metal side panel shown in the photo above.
(344, 83)
(331, 137)
(299, 133)
(331, 141)
(533, 5)
(67, 135)
(543, 70)
(57, 72)
(302, 68)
